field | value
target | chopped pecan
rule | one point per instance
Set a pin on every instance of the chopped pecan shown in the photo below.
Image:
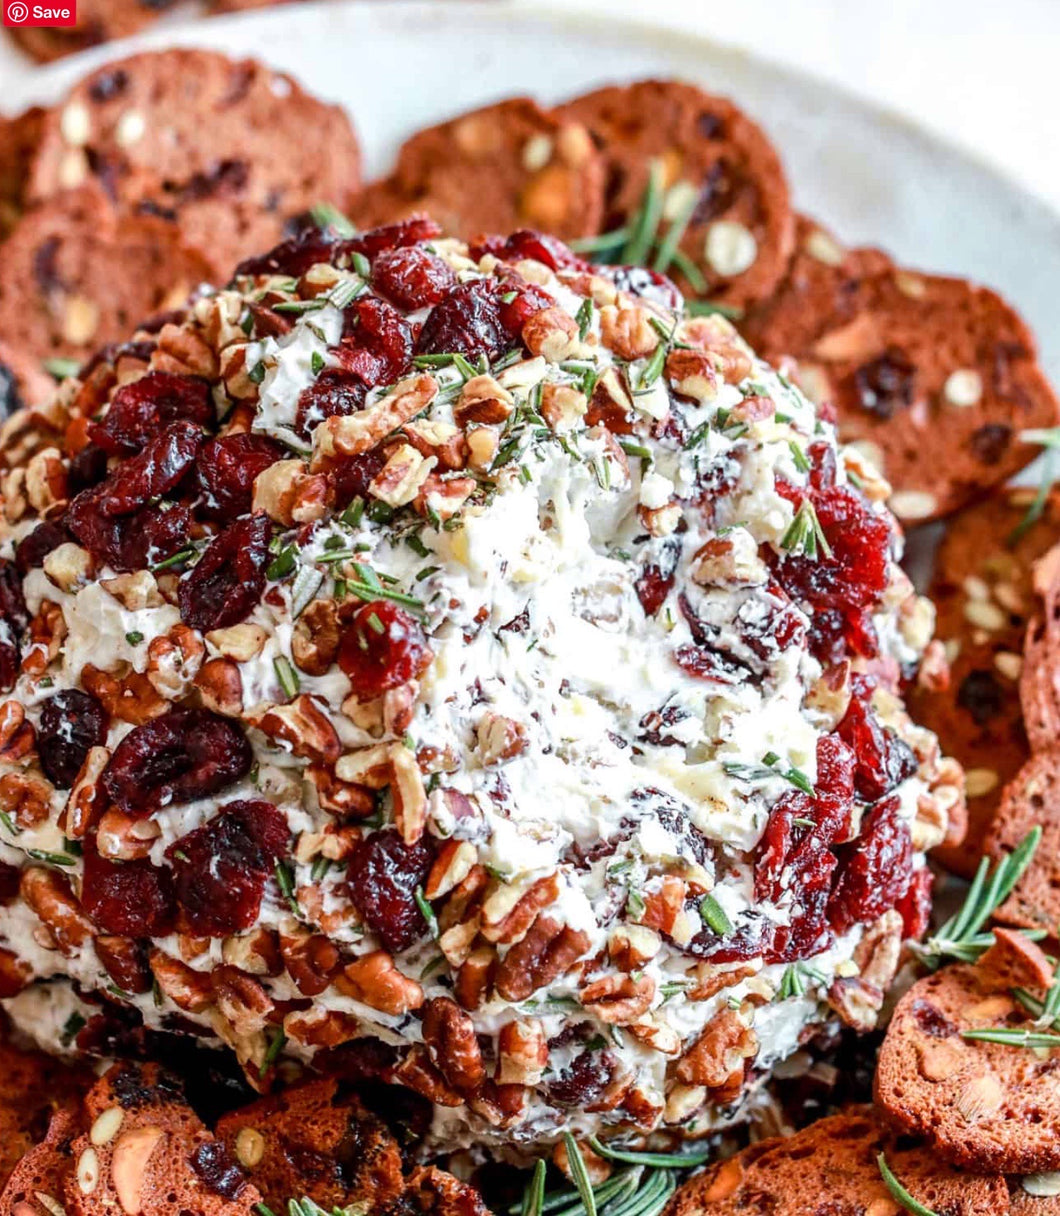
(449, 1035)
(49, 895)
(451, 866)
(626, 329)
(400, 480)
(354, 434)
(418, 1073)
(26, 797)
(311, 960)
(316, 636)
(548, 950)
(374, 980)
(47, 632)
(509, 909)
(474, 976)
(619, 999)
(304, 726)
(719, 1053)
(319, 1027)
(15, 974)
(173, 661)
(17, 736)
(125, 837)
(220, 687)
(500, 738)
(131, 698)
(125, 961)
(289, 494)
(188, 989)
(553, 334)
(522, 1053)
(86, 800)
(483, 401)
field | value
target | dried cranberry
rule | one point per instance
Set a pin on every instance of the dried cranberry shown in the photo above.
(585, 1081)
(156, 469)
(226, 583)
(885, 384)
(334, 393)
(220, 869)
(219, 1170)
(33, 548)
(183, 755)
(128, 542)
(393, 236)
(656, 579)
(980, 694)
(384, 874)
(467, 322)
(294, 256)
(227, 469)
(822, 458)
(704, 662)
(519, 302)
(9, 882)
(932, 1021)
(529, 243)
(883, 759)
(350, 476)
(875, 869)
(140, 409)
(87, 468)
(412, 277)
(376, 343)
(382, 648)
(71, 722)
(128, 898)
(915, 905)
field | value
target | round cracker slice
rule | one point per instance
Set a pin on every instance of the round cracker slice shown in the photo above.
(983, 1105)
(831, 1166)
(503, 167)
(938, 377)
(19, 137)
(228, 149)
(742, 228)
(1031, 799)
(41, 1174)
(75, 274)
(983, 595)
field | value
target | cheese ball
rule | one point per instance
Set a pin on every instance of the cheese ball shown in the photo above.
(458, 667)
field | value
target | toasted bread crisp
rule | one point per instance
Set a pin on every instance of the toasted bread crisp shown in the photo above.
(1035, 1195)
(1032, 798)
(147, 1152)
(832, 1166)
(19, 137)
(75, 274)
(983, 595)
(507, 166)
(713, 158)
(42, 1173)
(935, 376)
(983, 1105)
(310, 1140)
(227, 149)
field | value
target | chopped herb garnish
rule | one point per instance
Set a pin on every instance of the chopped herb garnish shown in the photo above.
(534, 1195)
(715, 915)
(427, 912)
(325, 215)
(287, 675)
(805, 537)
(635, 904)
(704, 308)
(272, 1052)
(584, 317)
(285, 881)
(799, 457)
(9, 823)
(632, 448)
(652, 369)
(177, 559)
(73, 1025)
(361, 264)
(283, 563)
(645, 224)
(297, 307)
(765, 770)
(134, 637)
(61, 369)
(51, 859)
(256, 373)
(316, 362)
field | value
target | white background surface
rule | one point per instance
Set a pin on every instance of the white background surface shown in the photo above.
(983, 73)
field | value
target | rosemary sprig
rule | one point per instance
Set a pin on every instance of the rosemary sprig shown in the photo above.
(427, 912)
(768, 768)
(579, 1174)
(325, 215)
(1047, 1012)
(1013, 1036)
(961, 935)
(534, 1196)
(673, 1161)
(646, 224)
(60, 369)
(805, 537)
(898, 1191)
(718, 920)
(670, 243)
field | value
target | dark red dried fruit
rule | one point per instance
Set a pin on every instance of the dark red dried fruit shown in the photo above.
(376, 343)
(383, 876)
(71, 722)
(220, 869)
(219, 1170)
(885, 384)
(875, 869)
(333, 394)
(226, 583)
(519, 302)
(656, 578)
(412, 277)
(405, 232)
(932, 1021)
(915, 904)
(383, 647)
(87, 468)
(128, 542)
(294, 256)
(584, 1082)
(227, 469)
(127, 898)
(710, 664)
(350, 476)
(9, 881)
(14, 617)
(140, 409)
(155, 470)
(467, 322)
(883, 759)
(529, 243)
(183, 755)
(33, 548)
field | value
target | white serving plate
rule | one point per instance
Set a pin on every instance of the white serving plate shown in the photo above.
(872, 176)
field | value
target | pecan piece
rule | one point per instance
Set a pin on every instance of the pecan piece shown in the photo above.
(548, 951)
(452, 1044)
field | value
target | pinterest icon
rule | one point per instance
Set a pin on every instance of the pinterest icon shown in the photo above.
(27, 12)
